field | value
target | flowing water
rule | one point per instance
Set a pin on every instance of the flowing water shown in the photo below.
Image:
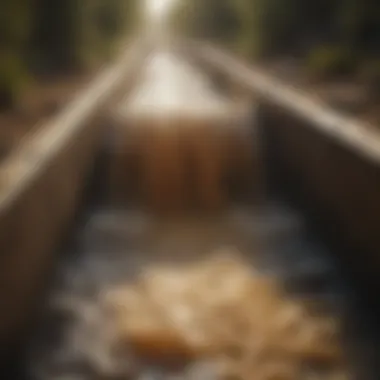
(118, 239)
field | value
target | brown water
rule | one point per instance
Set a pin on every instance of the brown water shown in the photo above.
(78, 339)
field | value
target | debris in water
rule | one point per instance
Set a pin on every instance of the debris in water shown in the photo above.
(217, 311)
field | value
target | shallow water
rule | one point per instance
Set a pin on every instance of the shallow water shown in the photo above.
(77, 341)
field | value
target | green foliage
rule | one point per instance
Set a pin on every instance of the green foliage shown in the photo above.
(13, 78)
(370, 73)
(215, 20)
(271, 27)
(15, 27)
(49, 35)
(15, 21)
(329, 61)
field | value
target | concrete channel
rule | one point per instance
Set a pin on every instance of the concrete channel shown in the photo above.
(110, 238)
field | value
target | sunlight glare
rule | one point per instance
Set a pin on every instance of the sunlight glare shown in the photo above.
(159, 7)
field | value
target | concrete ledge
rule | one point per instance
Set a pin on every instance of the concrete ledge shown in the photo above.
(359, 137)
(40, 185)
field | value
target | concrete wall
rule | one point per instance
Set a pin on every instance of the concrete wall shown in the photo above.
(339, 187)
(40, 187)
(34, 223)
(328, 160)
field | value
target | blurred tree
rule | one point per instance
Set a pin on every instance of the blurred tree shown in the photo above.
(340, 33)
(41, 36)
(15, 25)
(215, 20)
